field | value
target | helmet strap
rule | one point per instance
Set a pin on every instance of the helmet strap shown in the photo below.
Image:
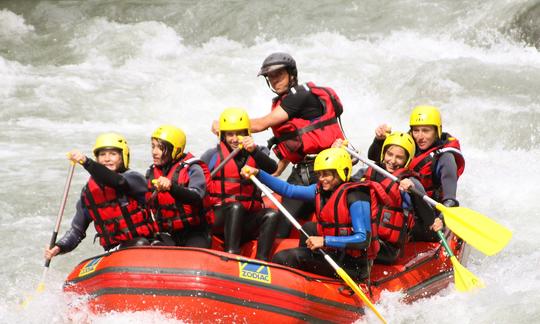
(293, 82)
(270, 86)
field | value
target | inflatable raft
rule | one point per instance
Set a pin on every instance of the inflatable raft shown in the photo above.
(207, 285)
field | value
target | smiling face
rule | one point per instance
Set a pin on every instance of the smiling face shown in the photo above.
(424, 136)
(279, 80)
(231, 137)
(328, 179)
(111, 158)
(394, 158)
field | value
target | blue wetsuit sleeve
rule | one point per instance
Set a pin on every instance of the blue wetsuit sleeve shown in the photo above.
(406, 200)
(210, 157)
(361, 221)
(286, 189)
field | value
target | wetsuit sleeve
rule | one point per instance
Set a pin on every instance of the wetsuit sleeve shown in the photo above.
(261, 155)
(196, 189)
(358, 175)
(360, 211)
(375, 149)
(77, 232)
(104, 176)
(286, 189)
(422, 210)
(447, 173)
(210, 157)
(137, 185)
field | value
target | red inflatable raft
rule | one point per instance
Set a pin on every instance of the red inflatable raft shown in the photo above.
(202, 285)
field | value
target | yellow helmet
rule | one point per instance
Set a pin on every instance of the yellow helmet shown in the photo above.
(400, 139)
(173, 135)
(426, 116)
(112, 140)
(334, 159)
(233, 119)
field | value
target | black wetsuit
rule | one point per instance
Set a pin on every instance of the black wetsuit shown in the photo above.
(233, 221)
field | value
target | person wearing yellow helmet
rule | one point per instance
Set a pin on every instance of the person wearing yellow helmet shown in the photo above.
(113, 199)
(177, 185)
(405, 215)
(304, 120)
(345, 213)
(235, 208)
(438, 160)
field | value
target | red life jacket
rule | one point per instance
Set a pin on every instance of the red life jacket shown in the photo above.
(228, 186)
(393, 221)
(334, 218)
(298, 137)
(424, 164)
(172, 215)
(117, 218)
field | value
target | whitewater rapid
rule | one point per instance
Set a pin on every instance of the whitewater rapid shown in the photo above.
(72, 70)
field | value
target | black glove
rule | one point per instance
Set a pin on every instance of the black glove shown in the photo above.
(450, 202)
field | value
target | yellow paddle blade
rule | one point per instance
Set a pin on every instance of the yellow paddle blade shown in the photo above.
(350, 282)
(484, 234)
(25, 302)
(464, 279)
(41, 287)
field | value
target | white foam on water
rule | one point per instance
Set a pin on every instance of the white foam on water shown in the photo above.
(130, 75)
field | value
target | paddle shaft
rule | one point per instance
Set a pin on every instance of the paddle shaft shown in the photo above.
(61, 210)
(227, 159)
(392, 177)
(348, 280)
(445, 244)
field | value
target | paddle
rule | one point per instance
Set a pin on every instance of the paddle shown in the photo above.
(228, 158)
(348, 280)
(478, 230)
(41, 286)
(464, 280)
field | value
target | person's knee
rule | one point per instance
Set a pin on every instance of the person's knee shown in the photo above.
(288, 258)
(137, 241)
(235, 208)
(281, 258)
(271, 216)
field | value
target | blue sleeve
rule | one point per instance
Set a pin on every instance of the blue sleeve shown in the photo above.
(210, 157)
(406, 200)
(361, 221)
(286, 189)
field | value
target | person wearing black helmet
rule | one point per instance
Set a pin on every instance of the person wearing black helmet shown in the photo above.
(304, 121)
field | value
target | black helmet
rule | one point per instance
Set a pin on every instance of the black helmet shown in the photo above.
(276, 61)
